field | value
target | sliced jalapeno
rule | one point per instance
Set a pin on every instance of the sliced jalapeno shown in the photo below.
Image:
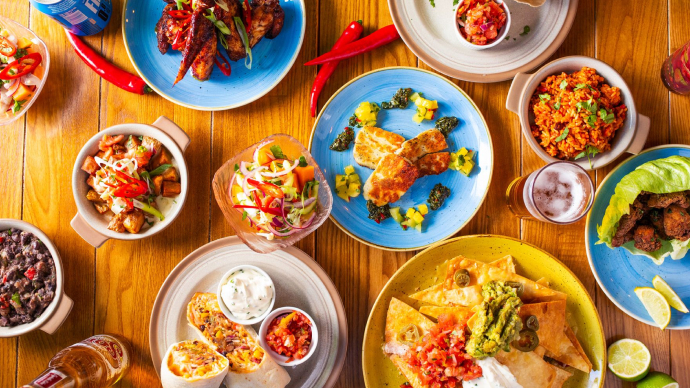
(528, 341)
(462, 277)
(409, 334)
(532, 323)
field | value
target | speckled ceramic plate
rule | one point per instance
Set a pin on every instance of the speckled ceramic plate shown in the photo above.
(467, 193)
(273, 58)
(430, 33)
(420, 272)
(299, 282)
(618, 271)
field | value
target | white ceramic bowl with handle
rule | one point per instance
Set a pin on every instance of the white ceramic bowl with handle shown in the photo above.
(630, 138)
(93, 226)
(57, 311)
(280, 359)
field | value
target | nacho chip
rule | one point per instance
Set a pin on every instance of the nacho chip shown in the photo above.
(529, 369)
(551, 316)
(562, 376)
(571, 352)
(459, 314)
(399, 316)
(481, 273)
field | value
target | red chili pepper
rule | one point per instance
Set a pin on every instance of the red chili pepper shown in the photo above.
(268, 188)
(109, 72)
(180, 14)
(7, 48)
(2, 240)
(374, 40)
(351, 33)
(21, 67)
(3, 303)
(130, 190)
(30, 273)
(247, 15)
(178, 42)
(223, 66)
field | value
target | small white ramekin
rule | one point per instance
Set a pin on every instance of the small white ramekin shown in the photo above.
(501, 33)
(282, 360)
(225, 308)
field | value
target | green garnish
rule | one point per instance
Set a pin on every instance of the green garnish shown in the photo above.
(563, 135)
(589, 152)
(525, 31)
(563, 85)
(18, 106)
(582, 86)
(218, 23)
(507, 37)
(303, 161)
(277, 152)
(15, 298)
(237, 167)
(606, 117)
(244, 215)
(160, 169)
(592, 120)
(179, 4)
(545, 97)
(557, 105)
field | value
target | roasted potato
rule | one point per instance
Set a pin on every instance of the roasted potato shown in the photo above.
(93, 196)
(171, 189)
(90, 165)
(134, 221)
(101, 207)
(171, 174)
(157, 184)
(132, 142)
(161, 158)
(152, 144)
(117, 223)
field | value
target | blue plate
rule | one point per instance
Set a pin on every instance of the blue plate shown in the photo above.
(619, 272)
(272, 60)
(467, 193)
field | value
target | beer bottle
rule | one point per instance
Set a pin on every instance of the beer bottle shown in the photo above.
(97, 362)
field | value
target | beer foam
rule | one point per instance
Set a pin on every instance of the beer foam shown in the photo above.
(559, 194)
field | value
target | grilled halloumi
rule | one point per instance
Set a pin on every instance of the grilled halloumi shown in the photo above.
(391, 179)
(373, 143)
(433, 164)
(427, 142)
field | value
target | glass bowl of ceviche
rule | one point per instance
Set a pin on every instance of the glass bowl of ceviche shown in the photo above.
(24, 64)
(481, 24)
(273, 193)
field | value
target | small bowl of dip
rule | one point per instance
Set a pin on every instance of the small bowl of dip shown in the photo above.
(282, 323)
(246, 294)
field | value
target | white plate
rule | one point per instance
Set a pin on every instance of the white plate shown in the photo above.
(430, 33)
(299, 282)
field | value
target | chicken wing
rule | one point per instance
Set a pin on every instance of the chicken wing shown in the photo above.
(200, 31)
(203, 64)
(235, 48)
(267, 20)
(165, 28)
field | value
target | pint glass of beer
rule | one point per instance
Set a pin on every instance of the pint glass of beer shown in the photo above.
(560, 193)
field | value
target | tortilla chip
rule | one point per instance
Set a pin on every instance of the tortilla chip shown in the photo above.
(432, 295)
(562, 376)
(411, 377)
(572, 352)
(544, 282)
(551, 316)
(459, 314)
(529, 369)
(481, 273)
(398, 317)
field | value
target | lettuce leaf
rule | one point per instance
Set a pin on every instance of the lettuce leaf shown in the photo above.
(660, 176)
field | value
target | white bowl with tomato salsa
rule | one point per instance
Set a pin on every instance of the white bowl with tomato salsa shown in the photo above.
(93, 226)
(485, 29)
(266, 328)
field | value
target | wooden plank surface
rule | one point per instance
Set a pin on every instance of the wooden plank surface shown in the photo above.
(115, 287)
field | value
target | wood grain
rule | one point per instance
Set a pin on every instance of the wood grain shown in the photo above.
(115, 287)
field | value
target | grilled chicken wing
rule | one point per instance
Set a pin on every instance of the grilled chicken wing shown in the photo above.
(203, 4)
(200, 31)
(203, 64)
(235, 48)
(165, 27)
(267, 18)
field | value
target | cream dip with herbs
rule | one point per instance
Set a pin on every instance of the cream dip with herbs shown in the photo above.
(247, 293)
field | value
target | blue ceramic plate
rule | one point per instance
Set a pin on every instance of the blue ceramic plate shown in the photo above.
(272, 60)
(619, 272)
(467, 193)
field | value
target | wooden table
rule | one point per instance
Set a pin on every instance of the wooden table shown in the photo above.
(115, 286)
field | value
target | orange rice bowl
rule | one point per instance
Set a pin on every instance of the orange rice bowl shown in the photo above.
(576, 115)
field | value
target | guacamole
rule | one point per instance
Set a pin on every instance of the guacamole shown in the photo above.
(497, 323)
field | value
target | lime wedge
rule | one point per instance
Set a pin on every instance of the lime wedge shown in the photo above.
(656, 305)
(668, 293)
(629, 359)
(658, 380)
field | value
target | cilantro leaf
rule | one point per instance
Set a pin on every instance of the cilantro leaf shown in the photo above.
(557, 105)
(589, 152)
(581, 86)
(237, 167)
(277, 152)
(525, 31)
(433, 3)
(606, 117)
(15, 298)
(563, 135)
(592, 120)
(545, 97)
(18, 106)
(244, 215)
(563, 85)
(303, 161)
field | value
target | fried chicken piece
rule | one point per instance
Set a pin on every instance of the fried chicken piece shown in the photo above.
(665, 200)
(278, 19)
(203, 64)
(677, 222)
(235, 48)
(264, 20)
(164, 28)
(628, 222)
(646, 238)
(656, 218)
(200, 31)
(203, 4)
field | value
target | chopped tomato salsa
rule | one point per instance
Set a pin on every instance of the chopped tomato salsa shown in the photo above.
(290, 335)
(480, 20)
(439, 358)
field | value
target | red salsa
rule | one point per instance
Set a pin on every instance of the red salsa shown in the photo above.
(480, 20)
(290, 335)
(439, 358)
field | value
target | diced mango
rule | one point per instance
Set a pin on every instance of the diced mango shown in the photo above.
(395, 213)
(342, 193)
(410, 212)
(418, 217)
(349, 170)
(23, 43)
(463, 151)
(418, 119)
(304, 174)
(418, 228)
(353, 190)
(423, 209)
(415, 96)
(430, 104)
(340, 180)
(263, 156)
(353, 178)
(23, 93)
(429, 115)
(5, 33)
(236, 189)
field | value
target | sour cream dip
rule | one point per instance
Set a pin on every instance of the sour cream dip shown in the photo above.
(247, 293)
(494, 375)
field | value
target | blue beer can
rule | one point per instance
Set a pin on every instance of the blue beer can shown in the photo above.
(80, 17)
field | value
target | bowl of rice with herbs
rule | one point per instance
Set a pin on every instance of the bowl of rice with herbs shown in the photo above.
(578, 109)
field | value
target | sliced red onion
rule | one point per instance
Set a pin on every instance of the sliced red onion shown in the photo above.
(280, 173)
(249, 175)
(276, 222)
(259, 147)
(31, 80)
(10, 84)
(4, 105)
(486, 26)
(300, 204)
(13, 89)
(304, 226)
(281, 234)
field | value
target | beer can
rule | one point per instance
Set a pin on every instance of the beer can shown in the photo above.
(80, 17)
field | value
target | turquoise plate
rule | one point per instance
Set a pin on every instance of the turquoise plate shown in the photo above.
(272, 60)
(467, 193)
(619, 272)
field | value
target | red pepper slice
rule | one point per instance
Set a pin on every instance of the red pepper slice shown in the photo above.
(224, 66)
(180, 14)
(268, 188)
(247, 15)
(30, 273)
(6, 47)
(178, 42)
(130, 190)
(21, 67)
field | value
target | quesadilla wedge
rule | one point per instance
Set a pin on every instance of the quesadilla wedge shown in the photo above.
(480, 274)
(250, 366)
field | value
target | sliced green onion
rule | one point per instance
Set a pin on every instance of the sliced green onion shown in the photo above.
(161, 169)
(149, 209)
(245, 40)
(218, 23)
(223, 4)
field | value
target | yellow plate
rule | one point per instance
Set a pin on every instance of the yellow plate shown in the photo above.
(422, 271)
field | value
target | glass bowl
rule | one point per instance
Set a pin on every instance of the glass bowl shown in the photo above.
(221, 187)
(20, 31)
